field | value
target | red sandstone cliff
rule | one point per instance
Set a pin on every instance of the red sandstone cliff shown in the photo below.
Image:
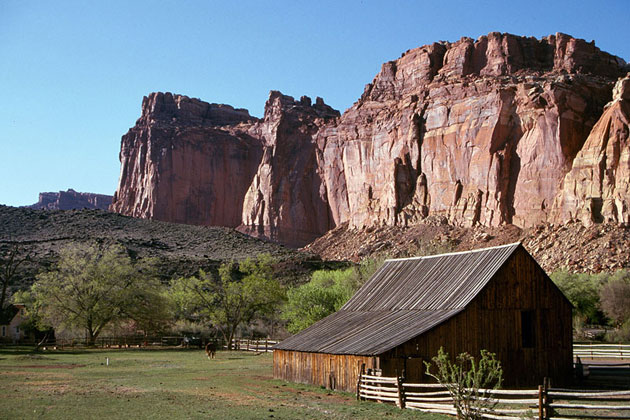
(287, 199)
(478, 131)
(597, 189)
(68, 200)
(481, 132)
(187, 161)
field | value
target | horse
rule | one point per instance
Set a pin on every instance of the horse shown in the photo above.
(211, 349)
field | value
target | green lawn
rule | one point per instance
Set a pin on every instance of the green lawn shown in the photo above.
(166, 384)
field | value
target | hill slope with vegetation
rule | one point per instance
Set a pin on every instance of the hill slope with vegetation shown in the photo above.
(180, 250)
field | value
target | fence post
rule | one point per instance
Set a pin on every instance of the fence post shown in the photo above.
(359, 381)
(401, 396)
(548, 412)
(540, 403)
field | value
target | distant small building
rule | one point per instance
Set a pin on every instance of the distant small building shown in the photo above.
(498, 299)
(11, 319)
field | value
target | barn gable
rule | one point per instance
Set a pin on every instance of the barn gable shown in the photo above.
(404, 299)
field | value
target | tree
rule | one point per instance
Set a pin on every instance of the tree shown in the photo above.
(10, 261)
(582, 290)
(33, 322)
(241, 292)
(615, 297)
(468, 382)
(92, 288)
(325, 294)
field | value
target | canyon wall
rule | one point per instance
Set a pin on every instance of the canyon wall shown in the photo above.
(489, 131)
(597, 189)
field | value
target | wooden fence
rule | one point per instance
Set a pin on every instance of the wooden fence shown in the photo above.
(544, 403)
(261, 345)
(602, 351)
(242, 344)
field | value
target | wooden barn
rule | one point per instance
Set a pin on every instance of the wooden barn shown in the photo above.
(497, 299)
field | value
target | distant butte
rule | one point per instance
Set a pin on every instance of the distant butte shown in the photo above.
(71, 200)
(499, 130)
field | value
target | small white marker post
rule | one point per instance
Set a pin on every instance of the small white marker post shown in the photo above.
(107, 361)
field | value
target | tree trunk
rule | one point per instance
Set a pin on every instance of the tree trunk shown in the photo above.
(5, 283)
(91, 338)
(230, 339)
(42, 341)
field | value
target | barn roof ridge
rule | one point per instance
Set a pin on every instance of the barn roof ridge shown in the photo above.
(456, 252)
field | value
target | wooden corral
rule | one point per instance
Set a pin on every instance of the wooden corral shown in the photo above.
(498, 299)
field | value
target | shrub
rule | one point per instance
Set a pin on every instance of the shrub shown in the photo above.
(468, 381)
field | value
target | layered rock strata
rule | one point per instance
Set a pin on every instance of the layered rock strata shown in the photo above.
(287, 200)
(70, 200)
(478, 132)
(187, 161)
(597, 188)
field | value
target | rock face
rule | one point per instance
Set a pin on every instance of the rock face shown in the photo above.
(287, 199)
(597, 189)
(187, 161)
(481, 132)
(477, 131)
(70, 200)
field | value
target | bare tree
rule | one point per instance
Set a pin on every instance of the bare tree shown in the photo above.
(10, 261)
(615, 297)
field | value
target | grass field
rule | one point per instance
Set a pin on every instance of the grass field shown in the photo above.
(179, 384)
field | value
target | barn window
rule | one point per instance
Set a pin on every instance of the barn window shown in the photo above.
(528, 332)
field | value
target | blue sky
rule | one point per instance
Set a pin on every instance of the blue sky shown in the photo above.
(73, 73)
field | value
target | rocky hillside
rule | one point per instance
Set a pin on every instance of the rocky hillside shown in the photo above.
(179, 249)
(570, 246)
(70, 200)
(502, 130)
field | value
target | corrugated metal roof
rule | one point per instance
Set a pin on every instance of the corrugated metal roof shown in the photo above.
(403, 299)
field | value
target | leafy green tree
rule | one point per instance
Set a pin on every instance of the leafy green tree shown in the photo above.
(241, 292)
(614, 296)
(468, 381)
(325, 294)
(582, 290)
(92, 288)
(33, 322)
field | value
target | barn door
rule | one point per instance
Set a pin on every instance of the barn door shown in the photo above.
(414, 369)
(332, 378)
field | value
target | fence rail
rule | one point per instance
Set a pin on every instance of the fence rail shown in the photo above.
(544, 403)
(260, 346)
(243, 344)
(602, 351)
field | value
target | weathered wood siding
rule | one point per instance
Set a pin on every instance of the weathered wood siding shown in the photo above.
(333, 371)
(492, 321)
